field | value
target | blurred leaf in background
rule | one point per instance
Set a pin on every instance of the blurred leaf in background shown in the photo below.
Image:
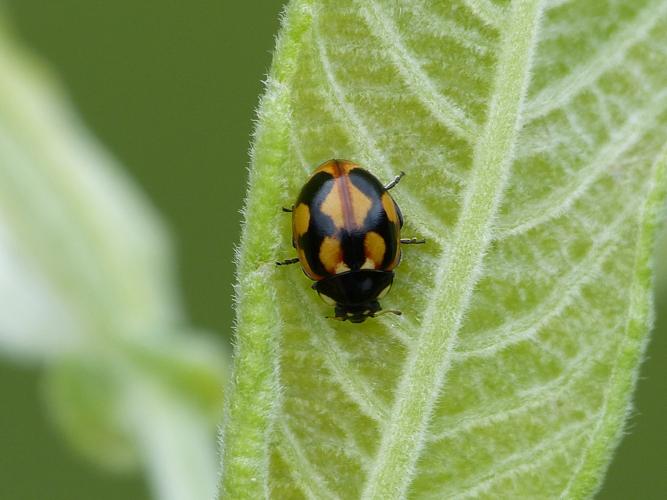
(152, 79)
(170, 88)
(125, 380)
(89, 294)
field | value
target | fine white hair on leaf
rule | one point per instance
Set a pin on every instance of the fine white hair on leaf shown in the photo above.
(532, 138)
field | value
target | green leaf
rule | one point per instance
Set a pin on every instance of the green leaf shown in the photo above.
(91, 398)
(532, 134)
(78, 241)
(85, 400)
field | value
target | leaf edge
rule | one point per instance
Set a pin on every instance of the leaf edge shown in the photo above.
(244, 435)
(599, 452)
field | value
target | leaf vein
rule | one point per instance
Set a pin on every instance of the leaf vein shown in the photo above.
(486, 11)
(303, 473)
(610, 54)
(351, 383)
(559, 202)
(561, 296)
(526, 461)
(526, 399)
(423, 88)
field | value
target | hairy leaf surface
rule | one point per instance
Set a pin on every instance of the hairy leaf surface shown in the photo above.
(532, 134)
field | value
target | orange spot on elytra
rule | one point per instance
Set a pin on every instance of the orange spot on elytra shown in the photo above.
(331, 254)
(331, 206)
(346, 204)
(389, 208)
(300, 220)
(375, 248)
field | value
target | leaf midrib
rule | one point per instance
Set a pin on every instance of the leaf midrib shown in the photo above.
(403, 436)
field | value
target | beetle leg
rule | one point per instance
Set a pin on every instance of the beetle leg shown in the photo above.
(289, 210)
(412, 241)
(336, 318)
(287, 262)
(395, 181)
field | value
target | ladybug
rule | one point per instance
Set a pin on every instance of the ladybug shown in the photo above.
(346, 231)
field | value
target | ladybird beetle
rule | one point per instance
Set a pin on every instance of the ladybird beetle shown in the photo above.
(346, 231)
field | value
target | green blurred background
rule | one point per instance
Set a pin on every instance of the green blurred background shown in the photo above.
(170, 88)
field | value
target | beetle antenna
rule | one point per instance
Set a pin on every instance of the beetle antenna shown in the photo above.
(385, 311)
